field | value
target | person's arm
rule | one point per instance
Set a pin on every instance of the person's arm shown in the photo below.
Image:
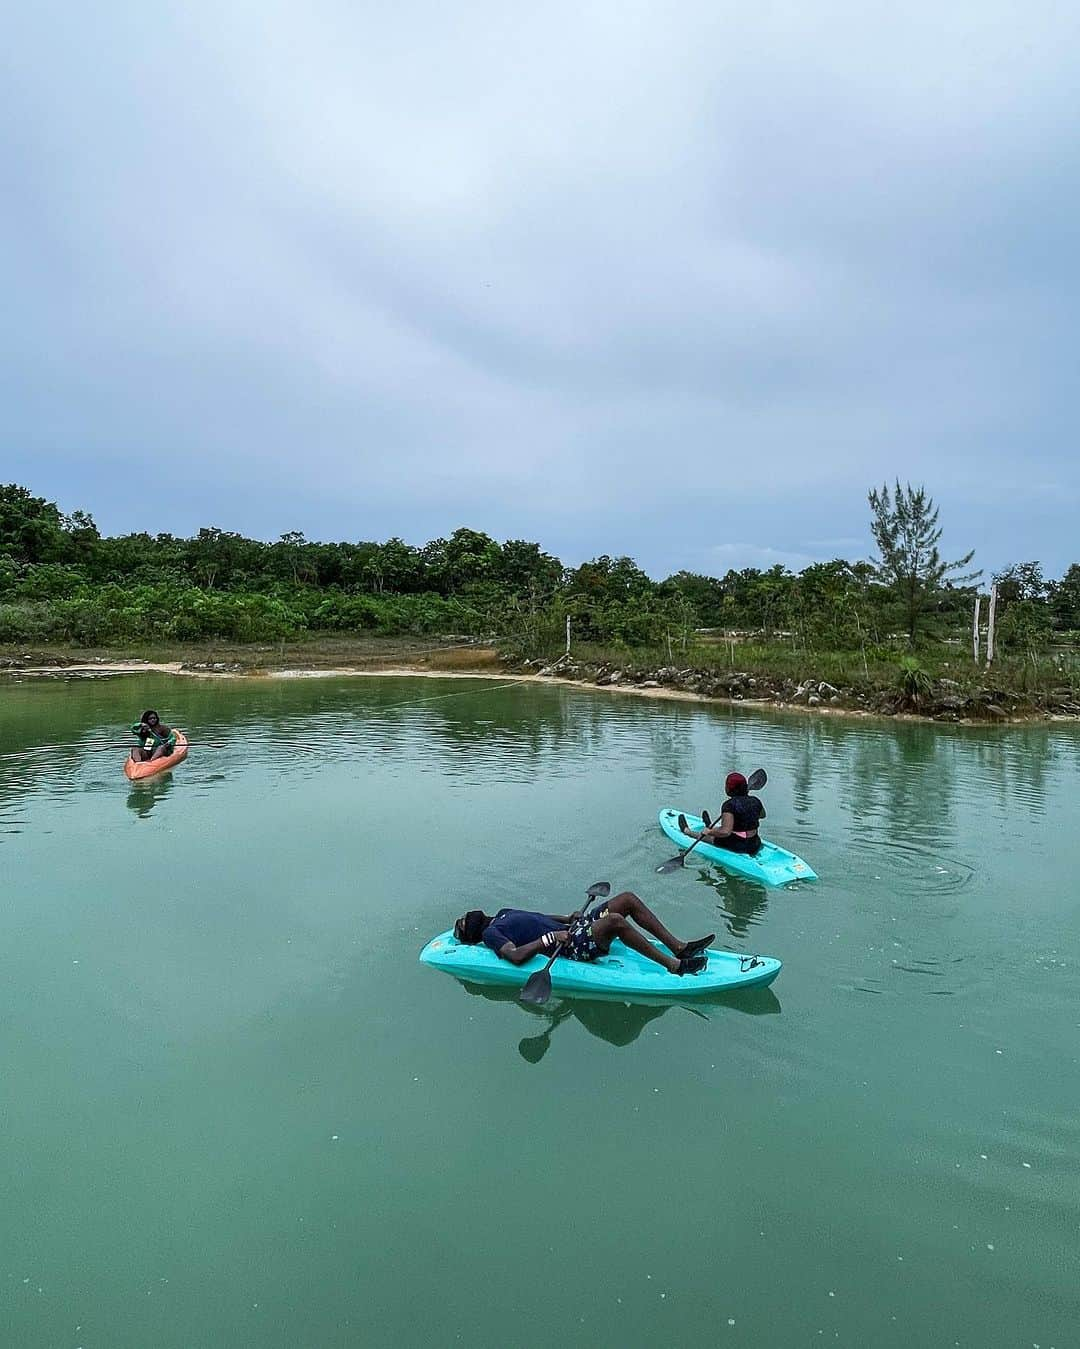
(727, 825)
(517, 955)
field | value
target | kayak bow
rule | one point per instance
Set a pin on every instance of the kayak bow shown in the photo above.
(136, 772)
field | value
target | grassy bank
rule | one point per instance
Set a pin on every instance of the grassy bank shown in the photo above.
(938, 683)
(874, 668)
(353, 652)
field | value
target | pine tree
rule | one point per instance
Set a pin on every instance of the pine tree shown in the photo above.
(906, 531)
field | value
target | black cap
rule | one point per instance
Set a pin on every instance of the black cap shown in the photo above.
(469, 928)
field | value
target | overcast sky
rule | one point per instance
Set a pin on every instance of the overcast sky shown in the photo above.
(679, 280)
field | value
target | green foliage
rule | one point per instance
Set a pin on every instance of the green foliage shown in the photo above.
(60, 580)
(1020, 581)
(913, 683)
(906, 531)
(1025, 627)
(32, 529)
(1065, 600)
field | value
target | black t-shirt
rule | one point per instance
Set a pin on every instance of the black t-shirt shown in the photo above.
(747, 811)
(518, 926)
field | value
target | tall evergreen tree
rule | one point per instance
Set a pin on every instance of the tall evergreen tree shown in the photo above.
(906, 531)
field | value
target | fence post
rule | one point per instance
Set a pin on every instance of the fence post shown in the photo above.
(975, 629)
(990, 626)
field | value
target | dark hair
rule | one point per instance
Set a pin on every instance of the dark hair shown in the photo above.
(148, 714)
(469, 928)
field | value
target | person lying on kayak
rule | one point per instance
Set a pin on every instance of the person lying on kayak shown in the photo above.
(738, 827)
(519, 934)
(155, 739)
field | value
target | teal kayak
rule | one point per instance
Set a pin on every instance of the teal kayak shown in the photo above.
(771, 865)
(622, 972)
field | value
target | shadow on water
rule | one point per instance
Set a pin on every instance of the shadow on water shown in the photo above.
(614, 1021)
(144, 796)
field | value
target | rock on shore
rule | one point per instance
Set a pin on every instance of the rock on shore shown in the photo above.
(946, 700)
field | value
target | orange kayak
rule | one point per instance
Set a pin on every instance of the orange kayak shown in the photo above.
(135, 772)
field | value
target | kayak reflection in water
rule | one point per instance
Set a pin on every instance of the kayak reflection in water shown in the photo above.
(519, 934)
(738, 827)
(617, 1023)
(144, 796)
(155, 739)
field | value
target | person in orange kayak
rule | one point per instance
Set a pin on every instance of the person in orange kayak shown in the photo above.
(738, 827)
(155, 739)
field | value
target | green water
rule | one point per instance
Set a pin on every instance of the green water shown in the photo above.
(236, 1111)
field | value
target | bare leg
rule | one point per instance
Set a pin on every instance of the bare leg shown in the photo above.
(613, 925)
(630, 906)
(159, 752)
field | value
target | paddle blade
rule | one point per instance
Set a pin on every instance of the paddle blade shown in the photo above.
(537, 988)
(672, 864)
(533, 1048)
(757, 780)
(600, 890)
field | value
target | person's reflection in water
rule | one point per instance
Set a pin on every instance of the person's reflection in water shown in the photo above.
(742, 903)
(143, 798)
(617, 1023)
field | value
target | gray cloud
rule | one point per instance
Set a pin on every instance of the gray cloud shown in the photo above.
(678, 280)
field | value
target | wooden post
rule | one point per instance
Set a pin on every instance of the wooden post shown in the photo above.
(975, 629)
(990, 626)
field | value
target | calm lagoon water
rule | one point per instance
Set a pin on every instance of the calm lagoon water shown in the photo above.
(236, 1110)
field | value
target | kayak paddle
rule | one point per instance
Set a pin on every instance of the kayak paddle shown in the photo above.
(754, 783)
(537, 987)
(533, 1047)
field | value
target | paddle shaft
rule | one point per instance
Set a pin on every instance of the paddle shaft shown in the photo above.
(560, 944)
(692, 846)
(755, 782)
(537, 987)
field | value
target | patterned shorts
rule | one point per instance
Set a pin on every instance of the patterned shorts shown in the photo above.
(582, 944)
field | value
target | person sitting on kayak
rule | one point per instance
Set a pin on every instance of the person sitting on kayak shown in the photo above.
(738, 827)
(519, 934)
(155, 740)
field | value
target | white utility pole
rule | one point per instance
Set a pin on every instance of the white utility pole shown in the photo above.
(990, 626)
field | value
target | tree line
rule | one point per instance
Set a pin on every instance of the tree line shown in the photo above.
(61, 579)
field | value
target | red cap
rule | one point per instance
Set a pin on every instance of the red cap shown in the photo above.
(734, 783)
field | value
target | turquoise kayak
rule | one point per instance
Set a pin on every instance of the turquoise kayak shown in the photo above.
(771, 865)
(622, 972)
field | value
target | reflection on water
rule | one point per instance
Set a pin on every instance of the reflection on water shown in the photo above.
(613, 1020)
(743, 903)
(145, 795)
(231, 1025)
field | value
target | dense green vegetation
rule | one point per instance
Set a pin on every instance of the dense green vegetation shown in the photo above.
(61, 580)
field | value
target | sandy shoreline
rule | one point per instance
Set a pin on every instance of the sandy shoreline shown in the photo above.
(499, 676)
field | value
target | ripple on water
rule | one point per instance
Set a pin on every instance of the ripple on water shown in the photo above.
(920, 869)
